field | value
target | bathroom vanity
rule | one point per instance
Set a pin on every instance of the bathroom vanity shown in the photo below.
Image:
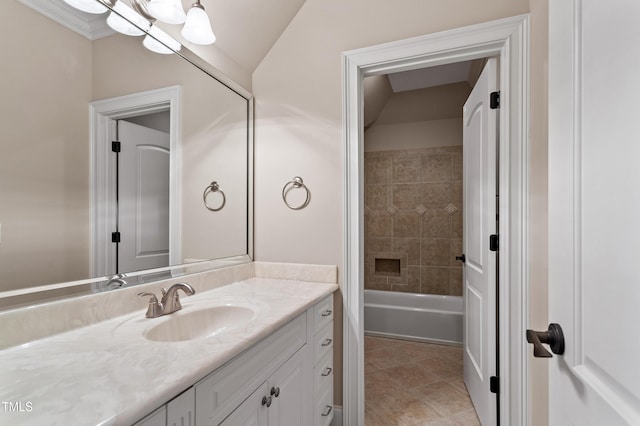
(253, 345)
(286, 379)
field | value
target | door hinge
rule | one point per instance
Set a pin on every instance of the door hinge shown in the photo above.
(115, 237)
(494, 385)
(116, 146)
(493, 242)
(494, 100)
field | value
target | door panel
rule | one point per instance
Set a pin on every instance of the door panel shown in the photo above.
(594, 206)
(479, 169)
(143, 202)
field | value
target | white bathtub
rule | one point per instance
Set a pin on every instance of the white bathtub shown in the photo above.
(421, 317)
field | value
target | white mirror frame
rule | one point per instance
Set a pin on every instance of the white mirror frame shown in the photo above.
(507, 39)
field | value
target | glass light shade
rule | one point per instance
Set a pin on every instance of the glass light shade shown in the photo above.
(125, 26)
(197, 28)
(167, 11)
(89, 6)
(156, 46)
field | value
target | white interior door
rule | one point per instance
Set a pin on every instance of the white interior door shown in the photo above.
(594, 211)
(479, 168)
(143, 199)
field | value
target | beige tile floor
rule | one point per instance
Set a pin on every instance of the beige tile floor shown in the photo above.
(412, 383)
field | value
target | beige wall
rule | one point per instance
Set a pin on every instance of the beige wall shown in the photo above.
(46, 85)
(299, 116)
(415, 119)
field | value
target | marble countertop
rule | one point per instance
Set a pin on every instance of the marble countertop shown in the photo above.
(110, 374)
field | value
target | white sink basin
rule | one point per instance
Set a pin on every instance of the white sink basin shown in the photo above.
(188, 324)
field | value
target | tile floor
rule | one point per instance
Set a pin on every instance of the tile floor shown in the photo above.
(412, 383)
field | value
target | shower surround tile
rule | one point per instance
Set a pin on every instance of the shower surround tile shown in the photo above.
(414, 206)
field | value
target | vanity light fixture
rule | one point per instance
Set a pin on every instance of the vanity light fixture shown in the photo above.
(197, 28)
(89, 6)
(137, 21)
(122, 21)
(167, 11)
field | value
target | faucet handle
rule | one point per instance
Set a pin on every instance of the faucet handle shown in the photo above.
(154, 309)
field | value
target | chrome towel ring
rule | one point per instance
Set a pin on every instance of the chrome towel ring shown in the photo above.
(292, 184)
(214, 187)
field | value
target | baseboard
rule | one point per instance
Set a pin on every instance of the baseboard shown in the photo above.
(337, 416)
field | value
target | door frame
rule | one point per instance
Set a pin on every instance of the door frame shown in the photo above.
(507, 39)
(103, 170)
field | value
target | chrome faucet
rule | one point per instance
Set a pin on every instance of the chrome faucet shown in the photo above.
(170, 300)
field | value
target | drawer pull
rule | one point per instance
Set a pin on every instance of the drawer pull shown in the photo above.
(327, 342)
(275, 391)
(327, 313)
(327, 411)
(327, 371)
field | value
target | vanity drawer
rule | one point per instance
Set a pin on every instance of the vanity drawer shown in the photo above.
(223, 390)
(323, 412)
(322, 343)
(323, 373)
(323, 313)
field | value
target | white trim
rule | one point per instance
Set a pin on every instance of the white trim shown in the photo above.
(102, 179)
(89, 26)
(507, 39)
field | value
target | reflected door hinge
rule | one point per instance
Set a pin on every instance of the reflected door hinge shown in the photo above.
(493, 242)
(116, 146)
(494, 385)
(494, 100)
(115, 237)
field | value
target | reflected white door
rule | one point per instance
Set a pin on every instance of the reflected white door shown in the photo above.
(479, 166)
(594, 211)
(143, 199)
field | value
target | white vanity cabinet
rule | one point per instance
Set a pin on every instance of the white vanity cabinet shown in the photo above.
(284, 380)
(278, 401)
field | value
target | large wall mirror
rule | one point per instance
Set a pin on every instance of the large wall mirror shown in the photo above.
(77, 209)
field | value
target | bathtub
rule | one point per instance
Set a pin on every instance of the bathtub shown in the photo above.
(421, 317)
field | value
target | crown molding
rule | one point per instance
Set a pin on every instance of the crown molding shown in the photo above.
(90, 26)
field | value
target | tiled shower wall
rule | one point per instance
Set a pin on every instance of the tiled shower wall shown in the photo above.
(413, 220)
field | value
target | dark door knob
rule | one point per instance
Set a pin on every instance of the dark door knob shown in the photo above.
(462, 258)
(554, 337)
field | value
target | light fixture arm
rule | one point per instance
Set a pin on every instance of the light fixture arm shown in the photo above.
(142, 7)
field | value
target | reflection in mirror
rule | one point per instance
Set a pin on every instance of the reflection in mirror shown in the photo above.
(64, 191)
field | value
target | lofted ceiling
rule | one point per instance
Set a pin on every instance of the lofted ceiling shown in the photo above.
(245, 29)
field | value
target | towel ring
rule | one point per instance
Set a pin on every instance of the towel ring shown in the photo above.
(292, 184)
(214, 187)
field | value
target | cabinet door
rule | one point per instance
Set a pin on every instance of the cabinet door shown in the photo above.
(288, 389)
(181, 409)
(252, 412)
(157, 418)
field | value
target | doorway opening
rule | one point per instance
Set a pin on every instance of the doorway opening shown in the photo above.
(507, 40)
(139, 112)
(415, 349)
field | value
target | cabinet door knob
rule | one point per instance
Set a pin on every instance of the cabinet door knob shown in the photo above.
(327, 411)
(326, 371)
(275, 391)
(266, 401)
(327, 313)
(326, 342)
